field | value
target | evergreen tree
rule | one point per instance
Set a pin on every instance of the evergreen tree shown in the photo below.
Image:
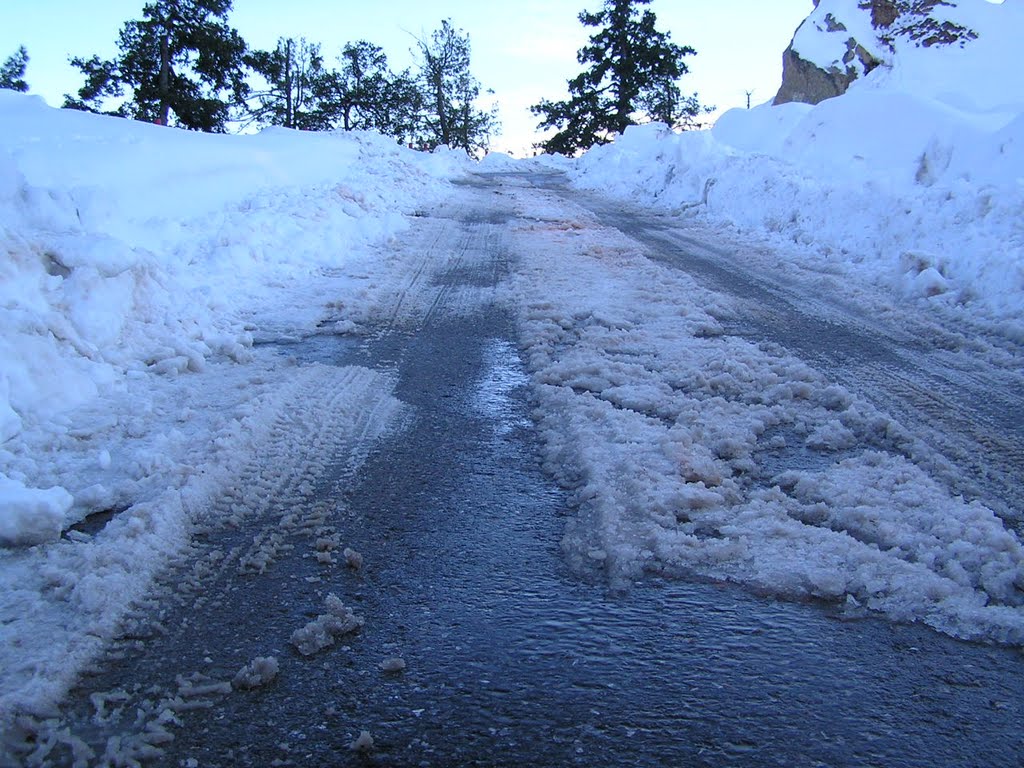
(450, 93)
(633, 77)
(401, 114)
(293, 73)
(365, 95)
(12, 71)
(182, 58)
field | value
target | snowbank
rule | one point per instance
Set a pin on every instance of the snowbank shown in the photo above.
(914, 179)
(134, 250)
(140, 265)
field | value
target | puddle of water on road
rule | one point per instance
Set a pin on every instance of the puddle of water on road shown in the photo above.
(324, 348)
(493, 393)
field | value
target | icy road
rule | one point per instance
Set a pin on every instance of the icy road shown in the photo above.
(594, 487)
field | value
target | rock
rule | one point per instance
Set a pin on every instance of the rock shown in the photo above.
(893, 22)
(808, 83)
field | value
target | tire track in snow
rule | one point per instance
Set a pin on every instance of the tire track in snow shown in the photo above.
(970, 414)
(272, 521)
(273, 536)
(724, 442)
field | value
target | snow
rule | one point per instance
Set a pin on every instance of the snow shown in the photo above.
(364, 743)
(913, 180)
(666, 431)
(821, 40)
(31, 514)
(148, 273)
(906, 190)
(353, 559)
(135, 251)
(972, 77)
(259, 672)
(323, 631)
(142, 267)
(392, 665)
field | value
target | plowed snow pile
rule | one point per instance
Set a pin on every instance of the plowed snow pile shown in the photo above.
(140, 264)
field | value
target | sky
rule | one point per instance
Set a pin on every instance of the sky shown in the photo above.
(525, 51)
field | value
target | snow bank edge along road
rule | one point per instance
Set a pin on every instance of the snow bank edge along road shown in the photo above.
(140, 264)
(136, 251)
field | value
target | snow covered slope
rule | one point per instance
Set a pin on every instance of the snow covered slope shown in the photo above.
(913, 179)
(957, 52)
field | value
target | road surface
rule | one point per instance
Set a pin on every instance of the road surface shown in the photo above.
(516, 652)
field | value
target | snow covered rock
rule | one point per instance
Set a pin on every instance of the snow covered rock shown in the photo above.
(843, 40)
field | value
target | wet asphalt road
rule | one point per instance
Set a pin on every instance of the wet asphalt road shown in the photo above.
(512, 659)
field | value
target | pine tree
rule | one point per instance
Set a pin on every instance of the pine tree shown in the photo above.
(12, 71)
(365, 95)
(182, 58)
(633, 77)
(450, 93)
(293, 73)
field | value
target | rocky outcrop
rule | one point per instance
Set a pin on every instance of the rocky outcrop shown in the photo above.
(807, 82)
(916, 22)
(883, 13)
(921, 23)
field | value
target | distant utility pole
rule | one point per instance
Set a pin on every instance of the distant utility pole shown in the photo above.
(749, 94)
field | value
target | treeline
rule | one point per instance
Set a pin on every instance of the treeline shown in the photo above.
(182, 64)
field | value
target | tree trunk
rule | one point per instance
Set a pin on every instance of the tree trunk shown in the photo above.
(443, 120)
(623, 51)
(165, 75)
(289, 114)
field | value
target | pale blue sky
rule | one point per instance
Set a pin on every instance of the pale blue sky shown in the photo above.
(525, 50)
